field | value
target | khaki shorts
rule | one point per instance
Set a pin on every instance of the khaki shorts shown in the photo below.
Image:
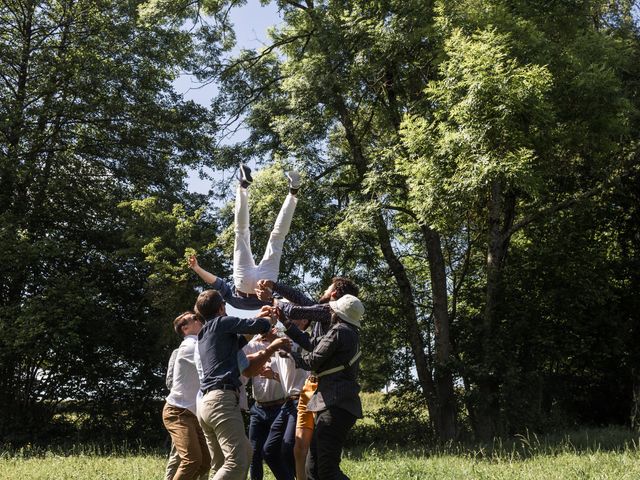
(305, 418)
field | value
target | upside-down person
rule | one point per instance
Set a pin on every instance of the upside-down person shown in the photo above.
(246, 273)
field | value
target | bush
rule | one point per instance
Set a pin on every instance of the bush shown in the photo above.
(396, 418)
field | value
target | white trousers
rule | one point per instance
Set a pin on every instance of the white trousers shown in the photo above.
(245, 271)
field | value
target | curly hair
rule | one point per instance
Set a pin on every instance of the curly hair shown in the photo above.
(344, 286)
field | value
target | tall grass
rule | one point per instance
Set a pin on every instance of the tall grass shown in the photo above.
(610, 453)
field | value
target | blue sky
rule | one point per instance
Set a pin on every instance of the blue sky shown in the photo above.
(251, 23)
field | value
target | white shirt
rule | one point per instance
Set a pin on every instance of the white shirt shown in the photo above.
(186, 383)
(291, 378)
(264, 389)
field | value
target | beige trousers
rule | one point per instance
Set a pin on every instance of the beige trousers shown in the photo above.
(223, 427)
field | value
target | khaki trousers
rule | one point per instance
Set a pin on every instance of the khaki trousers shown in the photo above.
(174, 462)
(223, 428)
(188, 438)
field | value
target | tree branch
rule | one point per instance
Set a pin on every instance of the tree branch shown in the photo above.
(568, 203)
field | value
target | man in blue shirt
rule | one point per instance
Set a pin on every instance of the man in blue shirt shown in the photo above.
(221, 418)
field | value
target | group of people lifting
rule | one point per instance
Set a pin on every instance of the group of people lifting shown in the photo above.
(304, 384)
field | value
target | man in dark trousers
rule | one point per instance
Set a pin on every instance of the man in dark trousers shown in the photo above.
(301, 307)
(334, 361)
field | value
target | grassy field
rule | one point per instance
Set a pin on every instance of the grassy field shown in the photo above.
(588, 454)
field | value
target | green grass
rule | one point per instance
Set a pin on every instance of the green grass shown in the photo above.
(612, 453)
(370, 465)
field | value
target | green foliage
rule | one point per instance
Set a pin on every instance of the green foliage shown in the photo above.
(494, 143)
(481, 123)
(88, 120)
(167, 238)
(489, 111)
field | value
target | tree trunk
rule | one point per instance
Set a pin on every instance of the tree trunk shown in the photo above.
(409, 315)
(442, 368)
(445, 419)
(500, 220)
(407, 304)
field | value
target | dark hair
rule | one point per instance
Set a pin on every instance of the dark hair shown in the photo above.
(208, 304)
(181, 320)
(343, 286)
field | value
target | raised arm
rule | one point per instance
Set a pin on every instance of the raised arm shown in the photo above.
(246, 325)
(323, 351)
(258, 360)
(202, 273)
(303, 339)
(320, 312)
(266, 288)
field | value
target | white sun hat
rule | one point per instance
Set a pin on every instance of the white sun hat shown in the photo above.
(349, 309)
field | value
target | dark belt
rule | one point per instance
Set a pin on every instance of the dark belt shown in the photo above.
(294, 397)
(246, 295)
(221, 387)
(273, 403)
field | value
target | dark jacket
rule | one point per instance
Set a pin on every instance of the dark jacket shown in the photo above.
(339, 389)
(218, 347)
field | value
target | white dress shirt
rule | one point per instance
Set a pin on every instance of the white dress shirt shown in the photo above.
(264, 389)
(291, 378)
(186, 384)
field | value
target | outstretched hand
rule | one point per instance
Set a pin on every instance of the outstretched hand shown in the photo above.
(264, 290)
(193, 262)
(281, 343)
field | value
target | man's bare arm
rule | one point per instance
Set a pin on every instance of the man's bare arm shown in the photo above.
(202, 273)
(259, 359)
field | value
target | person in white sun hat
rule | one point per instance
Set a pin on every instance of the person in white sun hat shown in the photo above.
(336, 403)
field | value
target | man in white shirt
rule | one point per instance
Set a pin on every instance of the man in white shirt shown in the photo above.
(269, 397)
(278, 449)
(179, 413)
(174, 459)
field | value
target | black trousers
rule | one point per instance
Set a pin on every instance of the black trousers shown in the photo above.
(323, 460)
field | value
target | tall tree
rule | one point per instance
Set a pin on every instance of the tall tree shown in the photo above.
(88, 119)
(507, 146)
(445, 137)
